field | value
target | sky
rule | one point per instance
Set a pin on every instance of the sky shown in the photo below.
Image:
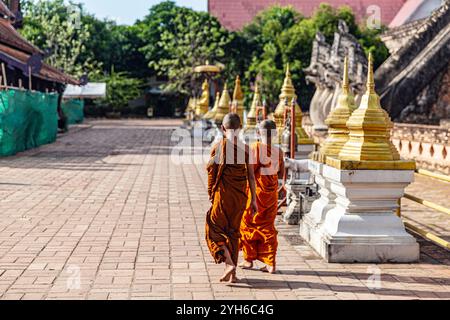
(127, 12)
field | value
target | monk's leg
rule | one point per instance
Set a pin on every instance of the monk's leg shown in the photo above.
(269, 269)
(267, 251)
(249, 255)
(248, 247)
(246, 265)
(230, 267)
(233, 278)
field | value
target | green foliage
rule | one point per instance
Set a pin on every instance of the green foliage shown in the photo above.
(58, 29)
(80, 43)
(280, 35)
(121, 89)
(171, 40)
(177, 39)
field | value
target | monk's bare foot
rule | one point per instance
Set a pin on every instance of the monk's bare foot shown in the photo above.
(246, 265)
(269, 269)
(229, 271)
(233, 278)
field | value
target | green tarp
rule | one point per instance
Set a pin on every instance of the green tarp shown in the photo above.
(27, 120)
(74, 110)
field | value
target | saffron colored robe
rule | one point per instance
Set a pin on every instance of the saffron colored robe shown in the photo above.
(227, 189)
(258, 233)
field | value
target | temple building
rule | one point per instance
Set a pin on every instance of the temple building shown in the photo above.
(234, 14)
(19, 56)
(414, 81)
(413, 85)
(414, 10)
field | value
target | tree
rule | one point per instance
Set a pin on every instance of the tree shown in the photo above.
(177, 39)
(280, 35)
(58, 29)
(120, 90)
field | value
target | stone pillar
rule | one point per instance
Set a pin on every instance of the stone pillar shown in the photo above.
(311, 225)
(292, 214)
(298, 183)
(368, 178)
(363, 226)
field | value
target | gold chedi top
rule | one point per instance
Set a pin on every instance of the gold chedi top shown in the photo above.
(337, 121)
(251, 116)
(224, 106)
(288, 92)
(203, 104)
(369, 146)
(238, 99)
(190, 107)
(212, 113)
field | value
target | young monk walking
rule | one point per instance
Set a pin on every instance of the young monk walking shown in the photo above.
(258, 232)
(229, 176)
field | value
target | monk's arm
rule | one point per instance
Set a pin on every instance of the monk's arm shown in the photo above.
(252, 184)
(212, 169)
(281, 167)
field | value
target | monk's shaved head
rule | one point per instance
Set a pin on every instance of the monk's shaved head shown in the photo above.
(267, 125)
(267, 130)
(231, 121)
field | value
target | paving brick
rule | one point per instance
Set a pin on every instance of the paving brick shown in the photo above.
(103, 213)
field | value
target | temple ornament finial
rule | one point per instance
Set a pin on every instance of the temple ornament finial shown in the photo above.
(212, 113)
(370, 76)
(287, 94)
(369, 145)
(252, 114)
(224, 106)
(238, 98)
(337, 121)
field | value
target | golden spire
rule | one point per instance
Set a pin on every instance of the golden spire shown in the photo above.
(288, 93)
(211, 113)
(238, 95)
(370, 77)
(369, 145)
(288, 90)
(251, 116)
(337, 120)
(224, 106)
(238, 98)
(203, 105)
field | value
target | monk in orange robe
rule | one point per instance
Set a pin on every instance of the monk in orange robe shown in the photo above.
(230, 175)
(258, 233)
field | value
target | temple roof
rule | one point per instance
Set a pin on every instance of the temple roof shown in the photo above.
(16, 51)
(234, 14)
(10, 37)
(4, 10)
(19, 60)
(414, 10)
(417, 62)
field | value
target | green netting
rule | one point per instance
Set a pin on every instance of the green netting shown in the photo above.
(74, 110)
(27, 120)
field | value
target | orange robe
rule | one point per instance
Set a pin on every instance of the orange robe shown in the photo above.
(227, 189)
(258, 233)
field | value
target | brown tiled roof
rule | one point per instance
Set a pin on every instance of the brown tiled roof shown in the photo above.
(4, 10)
(10, 37)
(47, 72)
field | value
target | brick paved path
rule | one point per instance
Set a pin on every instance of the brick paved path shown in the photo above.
(104, 214)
